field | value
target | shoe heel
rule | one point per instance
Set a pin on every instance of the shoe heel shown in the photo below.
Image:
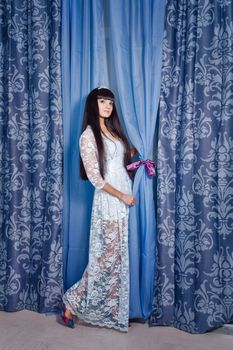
(68, 322)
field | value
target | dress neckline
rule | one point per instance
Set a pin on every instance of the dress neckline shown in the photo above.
(113, 140)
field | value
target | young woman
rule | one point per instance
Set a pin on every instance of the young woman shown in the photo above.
(101, 297)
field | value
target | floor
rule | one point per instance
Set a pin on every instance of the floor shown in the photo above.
(26, 330)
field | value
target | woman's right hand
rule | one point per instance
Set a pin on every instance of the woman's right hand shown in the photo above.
(128, 199)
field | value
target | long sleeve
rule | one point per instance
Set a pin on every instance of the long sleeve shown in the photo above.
(89, 155)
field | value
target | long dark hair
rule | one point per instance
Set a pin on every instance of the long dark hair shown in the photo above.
(112, 123)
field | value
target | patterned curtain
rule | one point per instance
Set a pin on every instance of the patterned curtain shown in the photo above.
(30, 155)
(194, 279)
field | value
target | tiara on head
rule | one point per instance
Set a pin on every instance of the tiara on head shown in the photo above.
(102, 87)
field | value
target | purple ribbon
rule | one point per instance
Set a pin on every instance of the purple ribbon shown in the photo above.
(149, 166)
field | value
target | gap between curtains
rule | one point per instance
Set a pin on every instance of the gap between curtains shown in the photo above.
(116, 44)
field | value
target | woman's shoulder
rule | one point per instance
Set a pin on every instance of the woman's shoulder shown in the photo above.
(87, 132)
(87, 135)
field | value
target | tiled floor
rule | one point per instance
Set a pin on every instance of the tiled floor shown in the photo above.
(27, 330)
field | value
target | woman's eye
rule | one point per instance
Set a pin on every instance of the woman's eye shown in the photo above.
(103, 101)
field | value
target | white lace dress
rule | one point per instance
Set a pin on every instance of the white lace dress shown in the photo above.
(101, 297)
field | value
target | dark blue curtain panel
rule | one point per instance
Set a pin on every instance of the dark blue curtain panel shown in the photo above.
(194, 275)
(31, 151)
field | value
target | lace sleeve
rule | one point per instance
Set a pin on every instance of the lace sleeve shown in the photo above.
(89, 155)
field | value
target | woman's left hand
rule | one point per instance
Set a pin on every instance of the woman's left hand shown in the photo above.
(133, 151)
(128, 199)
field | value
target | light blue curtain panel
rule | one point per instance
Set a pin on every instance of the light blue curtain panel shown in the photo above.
(31, 151)
(136, 33)
(84, 68)
(116, 44)
(194, 279)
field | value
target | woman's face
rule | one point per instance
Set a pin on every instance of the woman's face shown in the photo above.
(105, 107)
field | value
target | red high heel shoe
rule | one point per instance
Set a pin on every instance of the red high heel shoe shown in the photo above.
(68, 322)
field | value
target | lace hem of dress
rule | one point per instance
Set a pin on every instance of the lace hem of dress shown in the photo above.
(95, 323)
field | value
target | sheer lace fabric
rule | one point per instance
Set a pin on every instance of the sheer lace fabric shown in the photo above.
(101, 297)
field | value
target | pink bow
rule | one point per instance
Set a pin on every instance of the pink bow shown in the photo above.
(149, 165)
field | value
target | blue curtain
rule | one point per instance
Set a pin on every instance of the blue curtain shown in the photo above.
(136, 33)
(118, 44)
(84, 67)
(194, 279)
(30, 156)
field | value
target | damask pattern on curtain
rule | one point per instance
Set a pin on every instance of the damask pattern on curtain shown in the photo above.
(194, 279)
(31, 150)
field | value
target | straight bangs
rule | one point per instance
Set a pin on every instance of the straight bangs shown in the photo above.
(103, 93)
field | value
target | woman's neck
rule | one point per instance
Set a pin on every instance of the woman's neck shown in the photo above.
(102, 124)
(105, 130)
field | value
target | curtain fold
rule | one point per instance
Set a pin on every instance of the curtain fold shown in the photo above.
(84, 68)
(136, 53)
(31, 151)
(194, 279)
